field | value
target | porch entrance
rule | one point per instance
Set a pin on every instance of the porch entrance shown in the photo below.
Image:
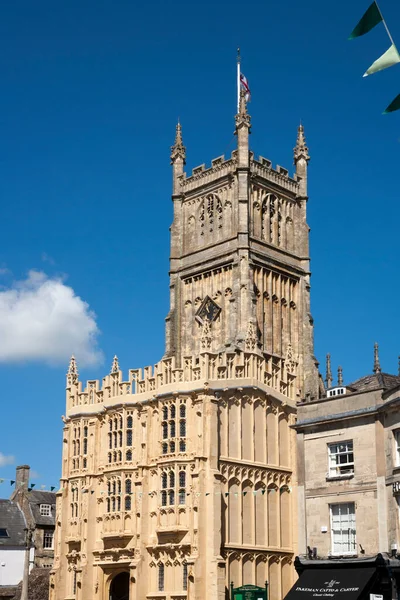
(119, 589)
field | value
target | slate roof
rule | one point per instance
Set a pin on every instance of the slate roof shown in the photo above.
(375, 381)
(12, 519)
(36, 498)
(8, 591)
(39, 579)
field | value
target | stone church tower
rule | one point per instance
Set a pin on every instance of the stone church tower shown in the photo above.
(180, 478)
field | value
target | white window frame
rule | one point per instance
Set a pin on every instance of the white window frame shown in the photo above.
(336, 469)
(396, 437)
(46, 534)
(351, 531)
(45, 510)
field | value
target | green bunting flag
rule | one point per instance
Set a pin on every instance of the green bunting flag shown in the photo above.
(388, 59)
(395, 105)
(369, 20)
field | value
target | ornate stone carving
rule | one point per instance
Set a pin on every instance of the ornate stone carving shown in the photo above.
(115, 365)
(206, 337)
(251, 339)
(290, 361)
(72, 373)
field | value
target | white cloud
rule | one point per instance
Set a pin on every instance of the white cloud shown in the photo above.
(42, 319)
(6, 460)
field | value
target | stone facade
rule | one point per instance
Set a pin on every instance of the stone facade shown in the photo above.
(361, 423)
(181, 478)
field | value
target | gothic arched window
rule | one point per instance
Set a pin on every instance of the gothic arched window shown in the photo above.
(160, 577)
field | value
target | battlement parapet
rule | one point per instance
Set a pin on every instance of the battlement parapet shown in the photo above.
(202, 176)
(280, 176)
(220, 168)
(273, 371)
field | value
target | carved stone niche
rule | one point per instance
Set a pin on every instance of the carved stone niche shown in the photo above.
(116, 541)
(171, 535)
(74, 544)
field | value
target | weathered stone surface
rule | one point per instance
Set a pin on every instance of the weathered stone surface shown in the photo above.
(182, 475)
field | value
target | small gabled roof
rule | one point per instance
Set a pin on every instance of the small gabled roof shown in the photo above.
(35, 499)
(375, 381)
(13, 521)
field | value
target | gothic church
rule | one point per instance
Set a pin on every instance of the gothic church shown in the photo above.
(180, 478)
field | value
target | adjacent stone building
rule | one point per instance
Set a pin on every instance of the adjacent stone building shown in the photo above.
(39, 509)
(180, 478)
(349, 467)
(12, 545)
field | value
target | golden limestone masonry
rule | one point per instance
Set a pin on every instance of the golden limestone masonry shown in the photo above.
(181, 478)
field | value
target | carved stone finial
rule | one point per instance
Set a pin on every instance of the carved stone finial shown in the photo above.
(206, 337)
(328, 376)
(115, 365)
(242, 118)
(301, 150)
(251, 338)
(340, 376)
(178, 150)
(377, 366)
(72, 373)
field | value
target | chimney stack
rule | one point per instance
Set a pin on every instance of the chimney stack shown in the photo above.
(22, 477)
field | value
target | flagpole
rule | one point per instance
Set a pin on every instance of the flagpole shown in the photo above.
(384, 22)
(238, 80)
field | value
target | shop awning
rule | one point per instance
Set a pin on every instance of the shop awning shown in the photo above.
(332, 584)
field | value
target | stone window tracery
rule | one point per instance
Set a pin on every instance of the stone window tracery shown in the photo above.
(128, 492)
(184, 576)
(160, 577)
(173, 487)
(114, 489)
(169, 426)
(120, 439)
(129, 431)
(74, 500)
(182, 487)
(271, 217)
(164, 485)
(210, 214)
(85, 441)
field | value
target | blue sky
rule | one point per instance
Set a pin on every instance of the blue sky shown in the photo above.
(91, 92)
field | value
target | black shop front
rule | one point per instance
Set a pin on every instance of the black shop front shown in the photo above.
(375, 578)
